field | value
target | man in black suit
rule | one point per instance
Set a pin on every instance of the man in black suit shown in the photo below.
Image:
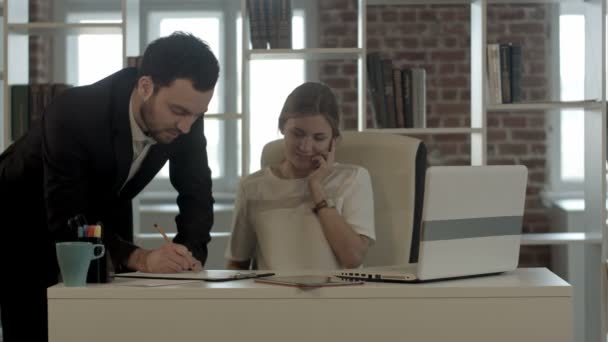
(95, 149)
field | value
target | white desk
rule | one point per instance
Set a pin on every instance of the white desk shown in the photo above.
(525, 305)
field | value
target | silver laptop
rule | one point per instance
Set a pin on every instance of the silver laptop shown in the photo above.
(471, 225)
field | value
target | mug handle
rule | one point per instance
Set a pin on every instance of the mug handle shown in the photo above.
(103, 251)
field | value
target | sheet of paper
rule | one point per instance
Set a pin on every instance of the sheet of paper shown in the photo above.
(151, 282)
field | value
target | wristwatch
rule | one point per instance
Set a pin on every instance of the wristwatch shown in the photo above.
(326, 203)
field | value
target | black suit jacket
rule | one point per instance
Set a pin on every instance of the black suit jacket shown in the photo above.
(78, 159)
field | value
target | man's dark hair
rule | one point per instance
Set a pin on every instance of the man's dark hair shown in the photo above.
(180, 55)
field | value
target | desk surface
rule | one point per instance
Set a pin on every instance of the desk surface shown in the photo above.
(523, 282)
(524, 305)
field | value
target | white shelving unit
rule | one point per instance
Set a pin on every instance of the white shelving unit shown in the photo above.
(590, 321)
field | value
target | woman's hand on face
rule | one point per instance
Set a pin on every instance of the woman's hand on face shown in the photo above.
(324, 164)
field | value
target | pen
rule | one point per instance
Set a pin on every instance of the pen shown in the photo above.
(162, 232)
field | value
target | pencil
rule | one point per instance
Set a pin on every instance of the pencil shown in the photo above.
(163, 233)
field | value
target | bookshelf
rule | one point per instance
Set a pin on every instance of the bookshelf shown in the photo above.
(590, 306)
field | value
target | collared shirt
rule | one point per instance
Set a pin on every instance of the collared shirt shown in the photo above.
(141, 144)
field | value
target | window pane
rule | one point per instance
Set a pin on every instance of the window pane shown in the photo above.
(89, 65)
(93, 66)
(207, 29)
(273, 80)
(572, 85)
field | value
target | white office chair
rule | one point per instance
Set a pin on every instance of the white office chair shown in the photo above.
(397, 166)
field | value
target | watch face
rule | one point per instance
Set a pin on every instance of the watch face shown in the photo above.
(330, 203)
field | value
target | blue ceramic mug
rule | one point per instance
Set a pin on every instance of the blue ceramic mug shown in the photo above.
(74, 259)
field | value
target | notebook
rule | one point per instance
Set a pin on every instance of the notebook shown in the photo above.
(208, 275)
(308, 281)
(471, 225)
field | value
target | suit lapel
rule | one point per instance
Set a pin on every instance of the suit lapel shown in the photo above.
(154, 161)
(123, 144)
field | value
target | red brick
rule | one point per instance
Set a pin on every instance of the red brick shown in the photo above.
(514, 121)
(447, 68)
(335, 31)
(389, 17)
(496, 135)
(337, 83)
(452, 108)
(333, 4)
(428, 16)
(449, 94)
(349, 69)
(533, 163)
(451, 138)
(429, 42)
(512, 148)
(329, 69)
(538, 149)
(449, 55)
(411, 56)
(456, 82)
(407, 16)
(528, 27)
(450, 122)
(349, 16)
(529, 135)
(511, 14)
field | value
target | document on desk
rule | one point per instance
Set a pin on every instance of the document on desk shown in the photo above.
(152, 282)
(208, 275)
(308, 281)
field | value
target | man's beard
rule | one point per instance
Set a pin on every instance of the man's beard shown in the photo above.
(145, 111)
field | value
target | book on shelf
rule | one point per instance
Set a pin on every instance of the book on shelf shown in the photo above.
(419, 97)
(408, 105)
(493, 71)
(389, 96)
(257, 23)
(282, 24)
(134, 61)
(398, 96)
(516, 70)
(375, 79)
(504, 73)
(270, 23)
(28, 102)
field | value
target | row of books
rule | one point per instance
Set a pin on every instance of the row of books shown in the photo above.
(28, 101)
(134, 61)
(269, 23)
(504, 73)
(398, 96)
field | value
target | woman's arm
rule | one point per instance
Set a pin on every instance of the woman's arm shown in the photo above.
(349, 246)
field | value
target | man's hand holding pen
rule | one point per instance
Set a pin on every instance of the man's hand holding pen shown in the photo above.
(170, 258)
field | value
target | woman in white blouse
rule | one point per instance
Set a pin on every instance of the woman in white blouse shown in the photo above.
(307, 212)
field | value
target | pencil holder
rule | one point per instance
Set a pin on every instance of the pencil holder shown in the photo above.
(98, 270)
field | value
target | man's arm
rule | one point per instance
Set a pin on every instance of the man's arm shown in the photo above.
(66, 179)
(190, 175)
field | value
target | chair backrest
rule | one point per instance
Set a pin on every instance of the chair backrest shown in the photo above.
(397, 166)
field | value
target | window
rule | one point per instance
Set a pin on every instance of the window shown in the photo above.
(219, 24)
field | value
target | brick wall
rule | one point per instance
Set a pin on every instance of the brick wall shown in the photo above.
(437, 38)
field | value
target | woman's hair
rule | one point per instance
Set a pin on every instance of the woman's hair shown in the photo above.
(312, 98)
